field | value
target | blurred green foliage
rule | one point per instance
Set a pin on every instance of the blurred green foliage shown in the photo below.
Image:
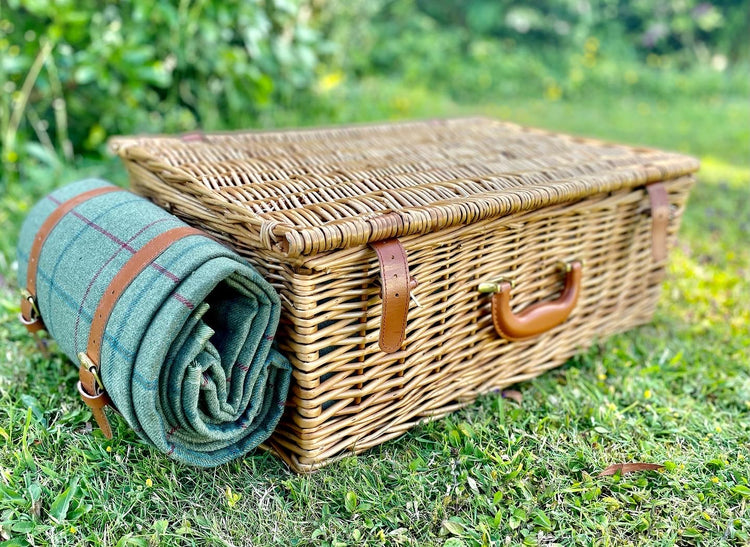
(72, 73)
(685, 28)
(480, 49)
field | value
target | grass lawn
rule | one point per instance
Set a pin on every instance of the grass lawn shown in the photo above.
(676, 392)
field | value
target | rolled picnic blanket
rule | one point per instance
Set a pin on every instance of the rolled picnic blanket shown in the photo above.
(168, 326)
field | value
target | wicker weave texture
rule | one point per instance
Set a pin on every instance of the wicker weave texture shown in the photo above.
(348, 395)
(309, 191)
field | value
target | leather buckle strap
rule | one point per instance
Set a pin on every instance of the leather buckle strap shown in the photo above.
(659, 219)
(91, 389)
(395, 288)
(90, 385)
(30, 315)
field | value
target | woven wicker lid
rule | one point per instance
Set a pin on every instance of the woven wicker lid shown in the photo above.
(307, 191)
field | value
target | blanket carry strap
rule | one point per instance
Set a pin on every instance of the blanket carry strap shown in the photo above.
(30, 316)
(90, 385)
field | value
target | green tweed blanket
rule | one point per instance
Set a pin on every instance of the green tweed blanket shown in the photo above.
(187, 354)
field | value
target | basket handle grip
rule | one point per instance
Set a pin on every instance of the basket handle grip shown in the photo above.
(540, 317)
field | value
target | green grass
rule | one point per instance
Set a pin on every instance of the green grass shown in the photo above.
(676, 392)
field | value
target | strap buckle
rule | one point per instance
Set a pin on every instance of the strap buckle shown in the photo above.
(89, 365)
(30, 317)
(92, 391)
(26, 295)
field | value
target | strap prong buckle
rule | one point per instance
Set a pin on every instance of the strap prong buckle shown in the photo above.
(34, 309)
(87, 363)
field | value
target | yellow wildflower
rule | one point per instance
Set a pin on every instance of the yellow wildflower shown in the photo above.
(592, 44)
(652, 59)
(553, 92)
(330, 81)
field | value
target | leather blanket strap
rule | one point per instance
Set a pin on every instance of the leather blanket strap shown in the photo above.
(29, 315)
(90, 385)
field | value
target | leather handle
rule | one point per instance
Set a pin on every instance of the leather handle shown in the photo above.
(540, 317)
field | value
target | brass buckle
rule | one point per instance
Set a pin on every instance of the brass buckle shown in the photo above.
(35, 310)
(89, 365)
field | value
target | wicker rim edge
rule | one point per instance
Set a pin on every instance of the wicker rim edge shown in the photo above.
(296, 241)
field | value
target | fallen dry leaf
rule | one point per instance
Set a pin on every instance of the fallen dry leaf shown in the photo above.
(512, 394)
(625, 468)
(36, 508)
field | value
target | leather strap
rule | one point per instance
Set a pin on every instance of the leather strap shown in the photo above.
(29, 313)
(89, 385)
(659, 219)
(395, 288)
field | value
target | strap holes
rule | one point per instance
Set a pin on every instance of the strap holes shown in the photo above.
(393, 257)
(396, 295)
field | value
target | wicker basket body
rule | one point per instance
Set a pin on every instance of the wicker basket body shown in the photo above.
(469, 201)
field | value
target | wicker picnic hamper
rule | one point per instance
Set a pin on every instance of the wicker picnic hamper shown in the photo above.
(423, 264)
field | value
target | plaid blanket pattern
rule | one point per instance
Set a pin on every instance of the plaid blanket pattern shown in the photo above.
(187, 355)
